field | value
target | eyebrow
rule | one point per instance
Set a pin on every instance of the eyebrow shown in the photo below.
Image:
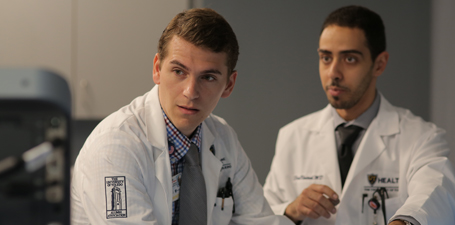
(342, 52)
(212, 71)
(179, 64)
(352, 51)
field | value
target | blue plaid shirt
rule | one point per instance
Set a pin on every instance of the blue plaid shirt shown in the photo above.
(179, 145)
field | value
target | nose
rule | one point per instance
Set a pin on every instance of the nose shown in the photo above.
(191, 89)
(334, 70)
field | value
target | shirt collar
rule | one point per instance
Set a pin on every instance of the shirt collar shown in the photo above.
(179, 143)
(364, 119)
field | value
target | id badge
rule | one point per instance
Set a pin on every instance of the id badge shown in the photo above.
(176, 187)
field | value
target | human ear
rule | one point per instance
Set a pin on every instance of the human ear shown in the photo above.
(156, 69)
(381, 63)
(230, 85)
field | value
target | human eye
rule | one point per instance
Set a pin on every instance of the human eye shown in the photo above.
(178, 72)
(351, 59)
(209, 77)
(325, 58)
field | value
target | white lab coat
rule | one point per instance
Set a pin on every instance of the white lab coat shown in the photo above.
(407, 155)
(131, 144)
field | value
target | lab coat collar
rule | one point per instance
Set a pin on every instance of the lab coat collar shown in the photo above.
(211, 167)
(157, 136)
(326, 136)
(388, 116)
(372, 145)
(323, 130)
(156, 127)
(324, 122)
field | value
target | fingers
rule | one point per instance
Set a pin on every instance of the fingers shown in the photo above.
(310, 213)
(316, 201)
(331, 194)
(328, 194)
(314, 209)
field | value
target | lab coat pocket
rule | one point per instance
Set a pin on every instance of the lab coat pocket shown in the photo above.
(222, 213)
(392, 205)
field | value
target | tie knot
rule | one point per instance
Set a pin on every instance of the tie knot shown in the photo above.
(192, 156)
(349, 134)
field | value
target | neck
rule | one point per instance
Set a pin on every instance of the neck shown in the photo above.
(354, 112)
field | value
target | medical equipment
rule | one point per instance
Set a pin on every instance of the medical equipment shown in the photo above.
(35, 109)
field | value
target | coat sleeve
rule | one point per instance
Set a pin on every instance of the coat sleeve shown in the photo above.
(103, 161)
(251, 207)
(274, 191)
(430, 181)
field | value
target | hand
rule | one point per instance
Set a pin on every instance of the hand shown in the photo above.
(397, 222)
(312, 203)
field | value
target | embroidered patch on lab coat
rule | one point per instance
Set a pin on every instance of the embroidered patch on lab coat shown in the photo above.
(308, 177)
(226, 165)
(115, 188)
(372, 178)
(378, 180)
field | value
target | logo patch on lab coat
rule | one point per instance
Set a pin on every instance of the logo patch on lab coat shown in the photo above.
(115, 188)
(388, 181)
(226, 165)
(372, 178)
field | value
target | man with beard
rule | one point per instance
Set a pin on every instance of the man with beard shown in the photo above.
(360, 160)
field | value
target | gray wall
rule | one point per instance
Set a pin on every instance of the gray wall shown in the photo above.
(443, 67)
(278, 66)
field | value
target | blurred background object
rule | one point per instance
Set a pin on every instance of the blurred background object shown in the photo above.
(35, 118)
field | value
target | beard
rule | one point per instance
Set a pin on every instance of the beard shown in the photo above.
(352, 96)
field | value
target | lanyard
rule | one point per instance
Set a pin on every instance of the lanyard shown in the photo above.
(374, 203)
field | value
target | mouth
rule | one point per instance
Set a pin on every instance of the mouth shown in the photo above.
(188, 110)
(335, 90)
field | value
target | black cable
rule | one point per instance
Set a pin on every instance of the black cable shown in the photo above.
(381, 193)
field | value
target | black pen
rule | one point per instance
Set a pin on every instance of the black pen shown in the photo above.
(230, 192)
(223, 195)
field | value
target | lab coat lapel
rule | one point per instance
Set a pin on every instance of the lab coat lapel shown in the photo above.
(372, 144)
(156, 134)
(326, 141)
(211, 167)
(156, 127)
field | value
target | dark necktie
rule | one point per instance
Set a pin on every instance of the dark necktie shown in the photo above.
(193, 196)
(348, 135)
